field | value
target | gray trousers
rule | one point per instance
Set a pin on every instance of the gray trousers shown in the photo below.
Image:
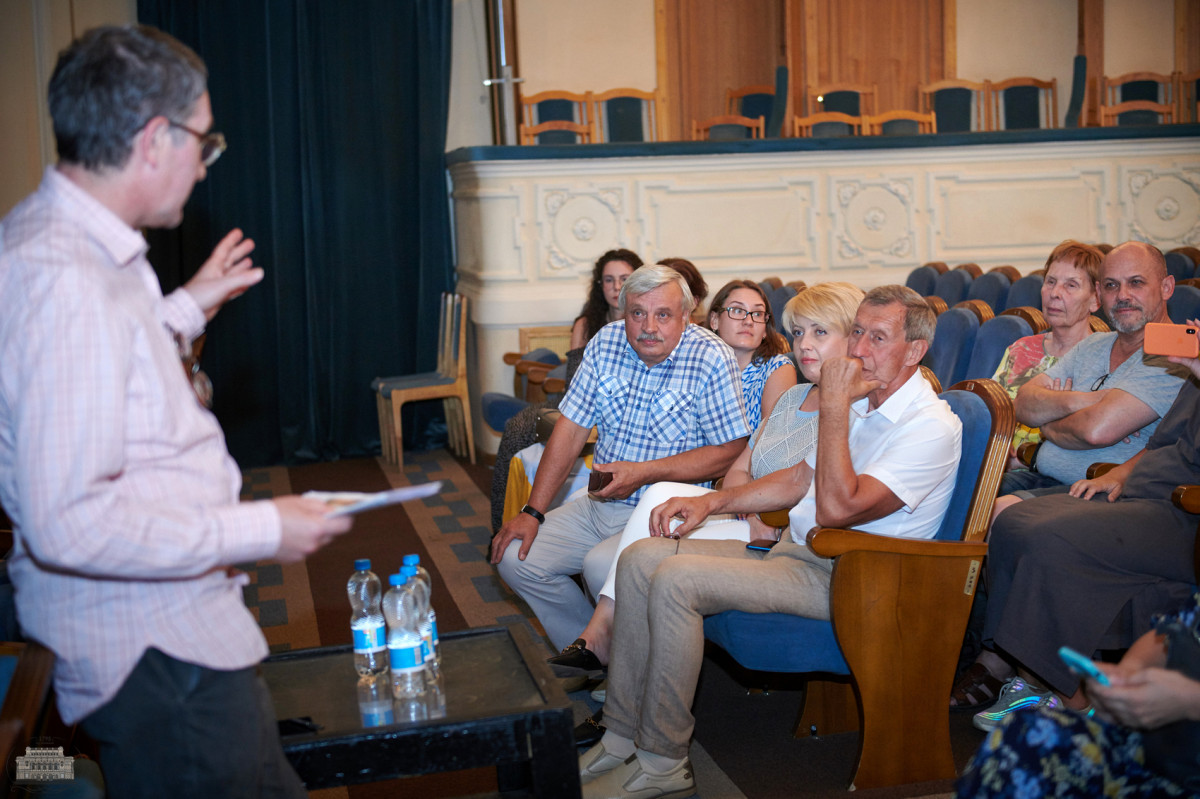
(666, 588)
(543, 579)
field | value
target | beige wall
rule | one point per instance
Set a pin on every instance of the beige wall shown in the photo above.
(1032, 38)
(31, 35)
(20, 159)
(470, 121)
(582, 45)
(1139, 36)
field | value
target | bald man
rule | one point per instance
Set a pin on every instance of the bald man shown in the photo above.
(1102, 401)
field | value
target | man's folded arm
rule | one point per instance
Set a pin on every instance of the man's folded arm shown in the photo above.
(1116, 416)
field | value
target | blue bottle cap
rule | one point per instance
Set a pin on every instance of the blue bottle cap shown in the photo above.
(362, 565)
(408, 571)
(397, 579)
(411, 560)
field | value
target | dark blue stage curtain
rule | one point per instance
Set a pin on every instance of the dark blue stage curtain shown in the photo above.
(335, 115)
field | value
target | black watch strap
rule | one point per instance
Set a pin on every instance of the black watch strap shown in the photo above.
(535, 513)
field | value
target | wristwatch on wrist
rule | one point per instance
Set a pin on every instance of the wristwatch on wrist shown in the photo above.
(535, 513)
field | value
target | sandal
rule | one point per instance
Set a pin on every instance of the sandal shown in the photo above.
(975, 689)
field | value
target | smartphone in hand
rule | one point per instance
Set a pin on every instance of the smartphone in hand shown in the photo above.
(1082, 665)
(1167, 339)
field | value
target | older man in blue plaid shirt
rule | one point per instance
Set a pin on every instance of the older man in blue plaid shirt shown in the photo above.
(666, 398)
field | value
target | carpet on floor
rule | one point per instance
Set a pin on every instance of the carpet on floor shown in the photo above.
(743, 743)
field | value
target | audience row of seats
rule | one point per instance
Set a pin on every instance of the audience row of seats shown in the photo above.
(847, 109)
(1004, 287)
(979, 315)
(991, 310)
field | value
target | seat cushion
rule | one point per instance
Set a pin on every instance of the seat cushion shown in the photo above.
(497, 408)
(386, 385)
(777, 641)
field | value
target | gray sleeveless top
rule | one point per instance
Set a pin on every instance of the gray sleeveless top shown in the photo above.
(786, 437)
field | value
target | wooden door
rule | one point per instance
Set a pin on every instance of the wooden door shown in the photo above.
(715, 45)
(895, 44)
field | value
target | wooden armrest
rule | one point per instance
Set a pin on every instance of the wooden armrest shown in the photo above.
(830, 542)
(1027, 453)
(511, 358)
(1099, 470)
(531, 368)
(1187, 498)
(554, 385)
(775, 518)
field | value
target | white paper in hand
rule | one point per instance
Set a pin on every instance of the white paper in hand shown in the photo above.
(351, 502)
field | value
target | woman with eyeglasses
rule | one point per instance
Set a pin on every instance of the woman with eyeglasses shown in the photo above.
(820, 319)
(741, 316)
(608, 275)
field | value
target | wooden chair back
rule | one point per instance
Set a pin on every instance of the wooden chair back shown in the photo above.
(940, 266)
(1031, 315)
(936, 303)
(952, 95)
(878, 124)
(931, 378)
(760, 95)
(1142, 111)
(1098, 325)
(582, 132)
(1010, 272)
(1046, 105)
(840, 97)
(1156, 87)
(568, 112)
(819, 123)
(1187, 96)
(754, 127)
(448, 383)
(613, 119)
(972, 269)
(981, 309)
(1190, 252)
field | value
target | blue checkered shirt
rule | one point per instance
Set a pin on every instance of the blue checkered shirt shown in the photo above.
(691, 399)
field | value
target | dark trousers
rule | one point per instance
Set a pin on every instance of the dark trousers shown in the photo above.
(179, 730)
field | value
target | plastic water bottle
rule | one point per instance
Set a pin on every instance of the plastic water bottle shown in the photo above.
(375, 701)
(429, 629)
(366, 620)
(421, 594)
(405, 651)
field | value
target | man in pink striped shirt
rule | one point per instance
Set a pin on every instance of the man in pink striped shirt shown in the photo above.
(123, 497)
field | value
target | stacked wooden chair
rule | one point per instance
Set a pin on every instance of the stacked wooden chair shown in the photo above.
(448, 383)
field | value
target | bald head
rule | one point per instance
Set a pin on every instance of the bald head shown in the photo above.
(1135, 286)
(1149, 257)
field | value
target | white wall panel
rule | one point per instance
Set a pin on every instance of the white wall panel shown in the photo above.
(528, 230)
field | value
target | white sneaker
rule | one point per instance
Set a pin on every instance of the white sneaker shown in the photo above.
(630, 781)
(1015, 695)
(597, 762)
(600, 692)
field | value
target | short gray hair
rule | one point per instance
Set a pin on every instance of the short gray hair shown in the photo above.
(919, 319)
(110, 82)
(647, 278)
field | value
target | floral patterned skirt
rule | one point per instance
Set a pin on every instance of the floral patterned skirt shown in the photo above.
(1057, 752)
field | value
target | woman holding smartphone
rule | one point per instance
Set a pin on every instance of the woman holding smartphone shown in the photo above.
(820, 319)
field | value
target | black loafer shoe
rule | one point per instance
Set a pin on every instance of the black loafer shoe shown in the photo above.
(576, 661)
(591, 730)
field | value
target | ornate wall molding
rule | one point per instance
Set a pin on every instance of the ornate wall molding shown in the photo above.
(528, 230)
